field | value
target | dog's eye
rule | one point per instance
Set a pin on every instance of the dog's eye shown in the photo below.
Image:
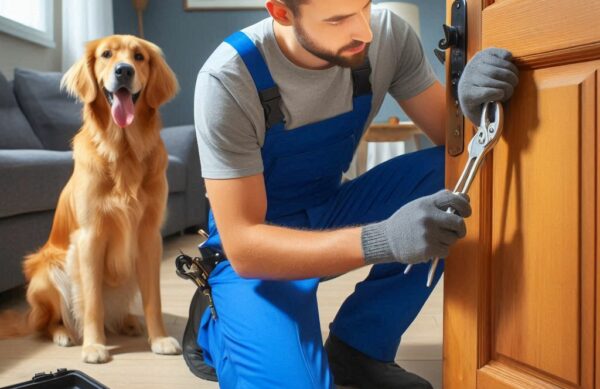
(138, 57)
(106, 54)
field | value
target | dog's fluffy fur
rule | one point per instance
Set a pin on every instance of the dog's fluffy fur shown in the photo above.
(106, 230)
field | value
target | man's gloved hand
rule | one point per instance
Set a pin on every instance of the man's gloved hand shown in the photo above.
(417, 232)
(489, 76)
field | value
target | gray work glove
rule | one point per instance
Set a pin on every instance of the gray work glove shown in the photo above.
(417, 232)
(489, 76)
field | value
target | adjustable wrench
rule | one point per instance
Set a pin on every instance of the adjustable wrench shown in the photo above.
(488, 134)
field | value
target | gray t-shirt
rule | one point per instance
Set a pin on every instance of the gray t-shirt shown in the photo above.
(229, 118)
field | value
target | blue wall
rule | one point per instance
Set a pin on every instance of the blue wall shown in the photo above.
(188, 38)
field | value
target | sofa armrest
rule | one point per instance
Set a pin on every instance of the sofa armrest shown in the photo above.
(180, 142)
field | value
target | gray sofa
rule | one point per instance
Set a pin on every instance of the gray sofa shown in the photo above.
(37, 123)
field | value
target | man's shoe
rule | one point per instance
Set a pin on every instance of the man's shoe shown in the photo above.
(192, 353)
(351, 367)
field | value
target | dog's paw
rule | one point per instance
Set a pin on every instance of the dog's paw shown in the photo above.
(95, 353)
(167, 346)
(131, 326)
(61, 338)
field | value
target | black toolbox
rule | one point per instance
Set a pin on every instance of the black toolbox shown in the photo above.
(62, 379)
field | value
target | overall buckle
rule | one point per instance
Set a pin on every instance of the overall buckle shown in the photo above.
(271, 100)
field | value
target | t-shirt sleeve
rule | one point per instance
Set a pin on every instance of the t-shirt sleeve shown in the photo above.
(413, 73)
(227, 140)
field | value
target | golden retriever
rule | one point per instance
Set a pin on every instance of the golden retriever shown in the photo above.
(106, 230)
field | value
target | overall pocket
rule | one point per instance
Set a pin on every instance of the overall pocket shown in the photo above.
(303, 172)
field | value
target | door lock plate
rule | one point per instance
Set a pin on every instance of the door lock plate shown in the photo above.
(455, 40)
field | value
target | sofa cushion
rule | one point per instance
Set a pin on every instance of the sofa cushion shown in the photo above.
(15, 130)
(31, 180)
(176, 174)
(54, 116)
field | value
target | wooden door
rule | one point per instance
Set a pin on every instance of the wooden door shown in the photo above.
(522, 291)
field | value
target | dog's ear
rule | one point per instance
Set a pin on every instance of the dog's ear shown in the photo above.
(79, 80)
(162, 84)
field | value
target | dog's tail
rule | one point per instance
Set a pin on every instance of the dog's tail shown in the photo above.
(42, 270)
(14, 324)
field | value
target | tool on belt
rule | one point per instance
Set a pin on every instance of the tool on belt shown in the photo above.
(488, 134)
(198, 270)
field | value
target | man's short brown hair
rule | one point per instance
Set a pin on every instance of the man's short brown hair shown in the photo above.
(294, 5)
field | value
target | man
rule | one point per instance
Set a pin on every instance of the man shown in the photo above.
(279, 110)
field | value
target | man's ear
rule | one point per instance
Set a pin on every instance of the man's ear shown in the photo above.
(279, 12)
(79, 80)
(162, 83)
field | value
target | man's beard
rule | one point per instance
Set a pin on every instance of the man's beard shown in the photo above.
(334, 58)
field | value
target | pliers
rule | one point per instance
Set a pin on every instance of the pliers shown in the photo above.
(197, 270)
(488, 134)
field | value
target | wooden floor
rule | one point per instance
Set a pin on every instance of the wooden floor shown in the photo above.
(134, 366)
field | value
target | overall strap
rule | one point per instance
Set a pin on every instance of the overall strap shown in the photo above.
(268, 92)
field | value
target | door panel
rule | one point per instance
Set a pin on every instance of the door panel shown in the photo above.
(521, 295)
(534, 27)
(540, 209)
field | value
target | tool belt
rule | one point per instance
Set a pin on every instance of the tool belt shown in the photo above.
(198, 270)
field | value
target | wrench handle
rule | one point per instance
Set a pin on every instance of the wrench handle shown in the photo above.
(435, 261)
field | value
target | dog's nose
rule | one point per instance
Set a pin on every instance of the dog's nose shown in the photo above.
(124, 72)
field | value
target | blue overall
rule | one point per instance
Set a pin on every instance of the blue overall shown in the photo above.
(267, 333)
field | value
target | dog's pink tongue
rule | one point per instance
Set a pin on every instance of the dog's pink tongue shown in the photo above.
(122, 108)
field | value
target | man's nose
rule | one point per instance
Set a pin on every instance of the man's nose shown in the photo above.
(362, 28)
(124, 72)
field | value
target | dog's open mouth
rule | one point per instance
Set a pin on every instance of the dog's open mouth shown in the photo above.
(122, 105)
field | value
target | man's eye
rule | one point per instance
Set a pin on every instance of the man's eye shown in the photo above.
(138, 57)
(106, 54)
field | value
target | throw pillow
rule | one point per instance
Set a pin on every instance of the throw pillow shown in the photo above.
(54, 115)
(15, 130)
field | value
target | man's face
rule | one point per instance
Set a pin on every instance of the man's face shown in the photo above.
(337, 31)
